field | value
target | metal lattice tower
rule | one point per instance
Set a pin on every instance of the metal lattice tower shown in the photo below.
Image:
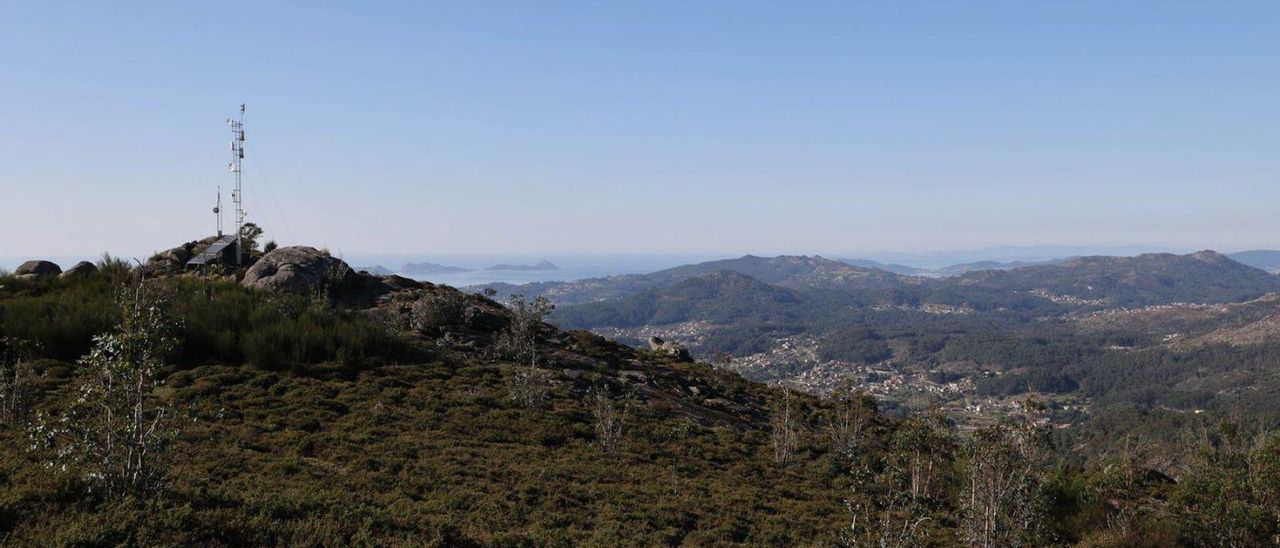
(237, 195)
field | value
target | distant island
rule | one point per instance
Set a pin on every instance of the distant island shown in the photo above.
(421, 269)
(542, 265)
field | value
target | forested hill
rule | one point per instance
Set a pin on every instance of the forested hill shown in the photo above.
(1200, 277)
(790, 271)
(793, 271)
(721, 296)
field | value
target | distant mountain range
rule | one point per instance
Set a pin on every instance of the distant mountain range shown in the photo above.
(950, 270)
(1009, 254)
(1264, 259)
(813, 290)
(888, 267)
(1205, 276)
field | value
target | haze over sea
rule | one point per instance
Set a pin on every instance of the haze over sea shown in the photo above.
(572, 267)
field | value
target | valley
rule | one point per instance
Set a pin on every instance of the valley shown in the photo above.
(1087, 336)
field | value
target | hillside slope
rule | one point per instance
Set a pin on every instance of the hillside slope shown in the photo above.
(432, 446)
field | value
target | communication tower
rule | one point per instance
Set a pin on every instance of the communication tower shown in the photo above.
(237, 195)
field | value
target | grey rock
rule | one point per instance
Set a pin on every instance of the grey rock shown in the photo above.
(82, 268)
(656, 343)
(298, 269)
(177, 255)
(37, 269)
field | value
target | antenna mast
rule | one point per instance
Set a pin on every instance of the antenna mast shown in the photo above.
(217, 211)
(237, 195)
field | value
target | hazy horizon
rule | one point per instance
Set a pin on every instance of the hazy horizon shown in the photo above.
(663, 128)
(599, 264)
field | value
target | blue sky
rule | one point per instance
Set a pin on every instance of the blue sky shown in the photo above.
(650, 127)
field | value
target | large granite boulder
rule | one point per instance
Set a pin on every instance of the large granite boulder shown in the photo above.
(299, 269)
(169, 261)
(37, 269)
(82, 268)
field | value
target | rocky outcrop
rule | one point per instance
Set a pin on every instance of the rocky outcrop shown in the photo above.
(299, 269)
(672, 349)
(82, 268)
(169, 261)
(37, 269)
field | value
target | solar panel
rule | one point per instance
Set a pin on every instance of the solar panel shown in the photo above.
(214, 251)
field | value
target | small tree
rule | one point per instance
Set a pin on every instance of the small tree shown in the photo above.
(529, 386)
(1001, 503)
(784, 430)
(438, 312)
(519, 340)
(610, 421)
(922, 447)
(849, 415)
(114, 433)
(886, 507)
(249, 234)
(17, 379)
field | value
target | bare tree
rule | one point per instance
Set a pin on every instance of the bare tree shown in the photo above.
(610, 421)
(116, 431)
(784, 430)
(17, 379)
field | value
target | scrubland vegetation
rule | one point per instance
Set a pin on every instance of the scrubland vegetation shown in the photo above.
(442, 419)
